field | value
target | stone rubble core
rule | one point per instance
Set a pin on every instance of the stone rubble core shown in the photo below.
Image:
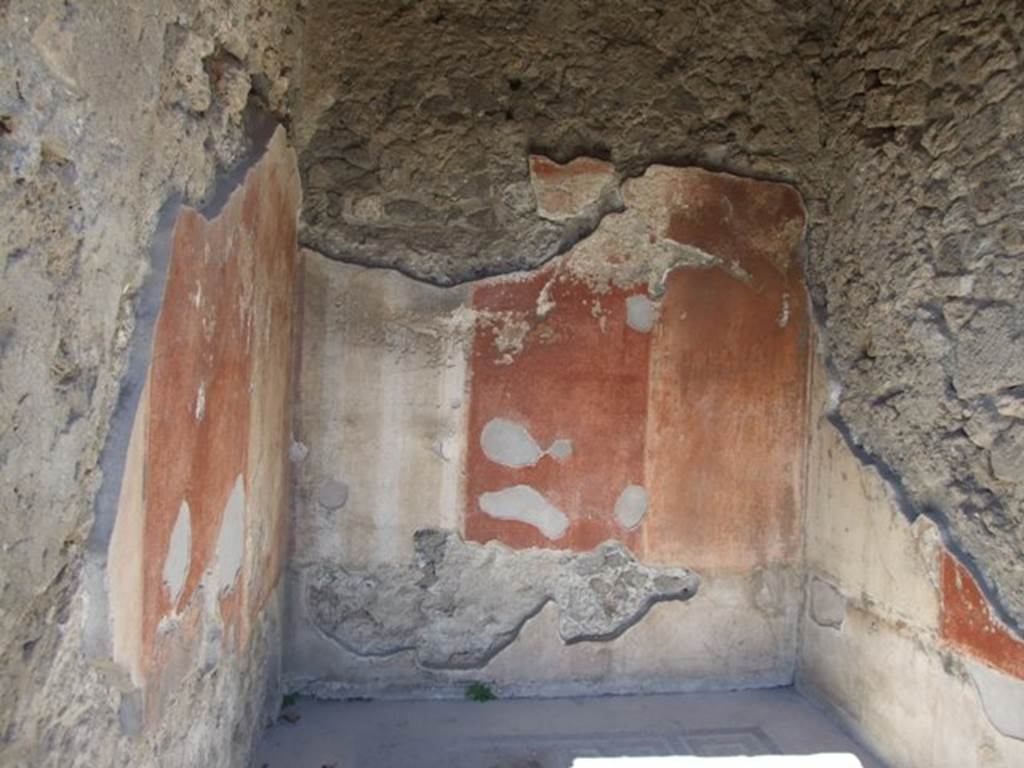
(458, 603)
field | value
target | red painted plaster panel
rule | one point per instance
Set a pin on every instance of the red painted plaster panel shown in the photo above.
(218, 413)
(968, 623)
(567, 191)
(199, 400)
(727, 422)
(576, 377)
(707, 412)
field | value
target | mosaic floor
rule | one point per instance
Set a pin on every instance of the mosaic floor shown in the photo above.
(550, 733)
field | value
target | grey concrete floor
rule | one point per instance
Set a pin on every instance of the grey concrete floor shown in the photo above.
(550, 733)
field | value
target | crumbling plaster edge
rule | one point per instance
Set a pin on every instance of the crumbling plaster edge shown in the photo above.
(607, 205)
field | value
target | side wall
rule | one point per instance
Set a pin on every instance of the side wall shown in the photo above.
(647, 387)
(109, 114)
(895, 636)
(198, 545)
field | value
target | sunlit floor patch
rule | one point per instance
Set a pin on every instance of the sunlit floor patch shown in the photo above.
(825, 760)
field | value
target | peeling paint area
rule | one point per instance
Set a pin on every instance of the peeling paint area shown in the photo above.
(631, 506)
(1002, 696)
(572, 190)
(510, 444)
(641, 313)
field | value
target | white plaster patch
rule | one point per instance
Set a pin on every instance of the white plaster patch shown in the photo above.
(828, 605)
(509, 444)
(201, 402)
(297, 452)
(641, 313)
(631, 506)
(231, 539)
(527, 505)
(561, 449)
(1002, 697)
(179, 553)
(783, 319)
(333, 494)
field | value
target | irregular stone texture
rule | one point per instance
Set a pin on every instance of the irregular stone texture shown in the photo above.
(743, 638)
(416, 120)
(886, 671)
(96, 134)
(968, 623)
(458, 604)
(920, 272)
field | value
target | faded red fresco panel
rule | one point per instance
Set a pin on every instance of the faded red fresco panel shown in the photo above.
(577, 377)
(199, 401)
(968, 623)
(727, 422)
(219, 411)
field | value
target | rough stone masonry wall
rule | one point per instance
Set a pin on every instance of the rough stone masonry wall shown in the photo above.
(416, 119)
(106, 111)
(920, 276)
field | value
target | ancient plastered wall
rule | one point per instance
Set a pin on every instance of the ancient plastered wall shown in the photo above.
(647, 387)
(198, 545)
(895, 637)
(108, 111)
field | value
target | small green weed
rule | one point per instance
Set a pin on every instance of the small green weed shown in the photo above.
(477, 691)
